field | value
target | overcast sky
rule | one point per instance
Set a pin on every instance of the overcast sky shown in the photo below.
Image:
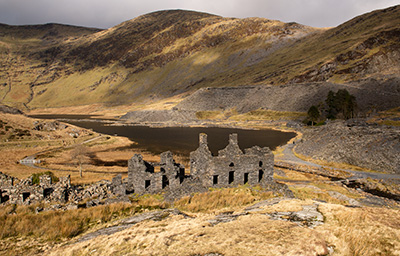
(108, 13)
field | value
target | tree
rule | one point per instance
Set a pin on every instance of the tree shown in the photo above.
(341, 102)
(313, 114)
(331, 103)
(80, 154)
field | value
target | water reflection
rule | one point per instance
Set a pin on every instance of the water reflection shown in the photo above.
(182, 140)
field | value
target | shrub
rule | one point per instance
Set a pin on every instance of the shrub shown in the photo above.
(313, 114)
(36, 177)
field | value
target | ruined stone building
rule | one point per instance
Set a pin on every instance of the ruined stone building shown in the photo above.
(25, 192)
(231, 167)
(154, 177)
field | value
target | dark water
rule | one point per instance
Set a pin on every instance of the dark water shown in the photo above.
(180, 140)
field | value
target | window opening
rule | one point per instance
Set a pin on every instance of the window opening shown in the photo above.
(231, 177)
(260, 175)
(25, 195)
(165, 181)
(47, 192)
(215, 179)
(246, 178)
(147, 183)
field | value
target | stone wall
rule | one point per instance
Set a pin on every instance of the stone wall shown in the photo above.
(24, 191)
(154, 177)
(231, 167)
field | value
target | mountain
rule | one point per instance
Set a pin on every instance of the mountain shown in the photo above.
(169, 53)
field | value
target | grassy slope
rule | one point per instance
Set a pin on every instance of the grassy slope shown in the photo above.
(167, 53)
(26, 60)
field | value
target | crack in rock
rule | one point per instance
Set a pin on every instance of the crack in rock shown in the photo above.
(308, 217)
(131, 221)
(225, 217)
(258, 206)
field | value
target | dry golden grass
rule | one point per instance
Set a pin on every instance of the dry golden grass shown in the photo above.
(58, 225)
(308, 192)
(298, 176)
(248, 235)
(219, 199)
(361, 231)
(10, 165)
(61, 161)
(210, 115)
(347, 231)
(57, 146)
(262, 114)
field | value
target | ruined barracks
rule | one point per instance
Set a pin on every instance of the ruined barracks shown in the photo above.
(25, 192)
(231, 167)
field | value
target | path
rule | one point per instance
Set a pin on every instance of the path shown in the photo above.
(289, 156)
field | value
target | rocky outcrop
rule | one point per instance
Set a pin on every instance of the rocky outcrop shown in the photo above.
(9, 110)
(357, 143)
(48, 126)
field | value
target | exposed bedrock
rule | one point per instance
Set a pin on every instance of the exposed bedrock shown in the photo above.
(358, 144)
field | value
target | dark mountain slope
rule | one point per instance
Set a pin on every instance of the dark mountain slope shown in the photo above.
(166, 53)
(46, 31)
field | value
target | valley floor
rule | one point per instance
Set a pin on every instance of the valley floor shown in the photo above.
(332, 212)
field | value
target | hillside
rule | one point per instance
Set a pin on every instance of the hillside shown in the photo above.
(167, 53)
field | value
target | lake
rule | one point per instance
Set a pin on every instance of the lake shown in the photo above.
(179, 140)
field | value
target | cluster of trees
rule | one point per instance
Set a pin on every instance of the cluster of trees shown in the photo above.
(340, 105)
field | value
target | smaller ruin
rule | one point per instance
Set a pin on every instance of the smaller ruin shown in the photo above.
(25, 192)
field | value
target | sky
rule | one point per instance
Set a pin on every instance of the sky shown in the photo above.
(108, 13)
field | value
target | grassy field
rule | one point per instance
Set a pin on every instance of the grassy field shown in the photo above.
(346, 231)
(106, 154)
(361, 230)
